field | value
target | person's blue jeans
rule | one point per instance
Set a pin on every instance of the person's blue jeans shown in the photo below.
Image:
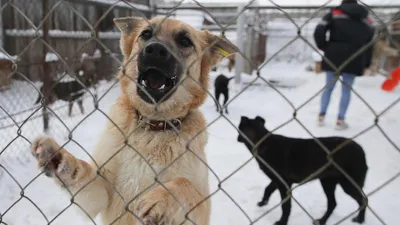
(348, 79)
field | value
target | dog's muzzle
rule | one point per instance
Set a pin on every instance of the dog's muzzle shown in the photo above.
(159, 73)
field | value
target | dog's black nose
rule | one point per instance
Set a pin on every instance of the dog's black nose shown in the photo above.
(157, 51)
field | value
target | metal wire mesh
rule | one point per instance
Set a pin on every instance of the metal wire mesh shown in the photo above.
(39, 27)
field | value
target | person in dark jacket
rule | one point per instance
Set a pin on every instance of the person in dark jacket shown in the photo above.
(350, 30)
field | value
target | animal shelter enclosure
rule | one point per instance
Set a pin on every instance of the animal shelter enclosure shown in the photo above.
(63, 69)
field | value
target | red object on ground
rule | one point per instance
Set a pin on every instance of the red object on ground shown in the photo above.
(389, 85)
(396, 74)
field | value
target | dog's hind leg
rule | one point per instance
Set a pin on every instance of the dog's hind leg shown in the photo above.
(226, 98)
(80, 104)
(267, 193)
(329, 186)
(217, 94)
(362, 201)
(70, 104)
(286, 205)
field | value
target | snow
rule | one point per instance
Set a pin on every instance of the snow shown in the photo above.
(97, 53)
(7, 56)
(84, 55)
(224, 153)
(62, 34)
(317, 56)
(51, 57)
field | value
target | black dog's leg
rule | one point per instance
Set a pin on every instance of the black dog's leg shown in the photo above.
(80, 104)
(267, 193)
(70, 108)
(226, 98)
(329, 186)
(286, 206)
(217, 94)
(349, 188)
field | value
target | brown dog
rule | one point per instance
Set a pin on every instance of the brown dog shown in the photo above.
(380, 50)
(150, 163)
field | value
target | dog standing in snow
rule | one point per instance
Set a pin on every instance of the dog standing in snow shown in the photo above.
(294, 160)
(380, 50)
(149, 164)
(221, 86)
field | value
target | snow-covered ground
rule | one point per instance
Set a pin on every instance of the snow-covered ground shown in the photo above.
(225, 154)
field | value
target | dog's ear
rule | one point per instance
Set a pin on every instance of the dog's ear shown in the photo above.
(244, 119)
(128, 25)
(129, 29)
(260, 120)
(220, 47)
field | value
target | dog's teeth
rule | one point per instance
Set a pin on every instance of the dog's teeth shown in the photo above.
(143, 83)
(162, 87)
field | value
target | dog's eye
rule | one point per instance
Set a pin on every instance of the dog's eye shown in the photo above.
(146, 34)
(185, 42)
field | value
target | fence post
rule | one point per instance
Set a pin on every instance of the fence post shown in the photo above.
(240, 32)
(153, 8)
(1, 28)
(46, 77)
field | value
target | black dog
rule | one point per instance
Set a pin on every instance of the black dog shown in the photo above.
(221, 87)
(68, 91)
(296, 159)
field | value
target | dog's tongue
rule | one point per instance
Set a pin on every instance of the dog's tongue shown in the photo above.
(155, 80)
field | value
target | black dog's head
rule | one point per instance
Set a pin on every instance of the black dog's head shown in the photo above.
(251, 129)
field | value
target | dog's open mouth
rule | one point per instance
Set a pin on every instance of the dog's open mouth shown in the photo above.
(156, 83)
(155, 79)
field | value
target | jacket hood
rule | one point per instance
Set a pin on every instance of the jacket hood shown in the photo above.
(354, 10)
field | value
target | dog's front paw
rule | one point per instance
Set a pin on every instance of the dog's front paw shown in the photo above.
(157, 207)
(47, 153)
(55, 161)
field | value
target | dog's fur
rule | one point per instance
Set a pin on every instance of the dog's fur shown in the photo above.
(70, 91)
(160, 176)
(231, 63)
(380, 50)
(221, 86)
(295, 159)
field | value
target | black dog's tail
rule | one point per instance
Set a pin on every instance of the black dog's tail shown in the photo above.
(230, 78)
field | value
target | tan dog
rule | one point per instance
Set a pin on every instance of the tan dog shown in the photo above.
(150, 163)
(380, 50)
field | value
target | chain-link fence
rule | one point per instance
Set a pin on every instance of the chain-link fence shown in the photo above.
(151, 163)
